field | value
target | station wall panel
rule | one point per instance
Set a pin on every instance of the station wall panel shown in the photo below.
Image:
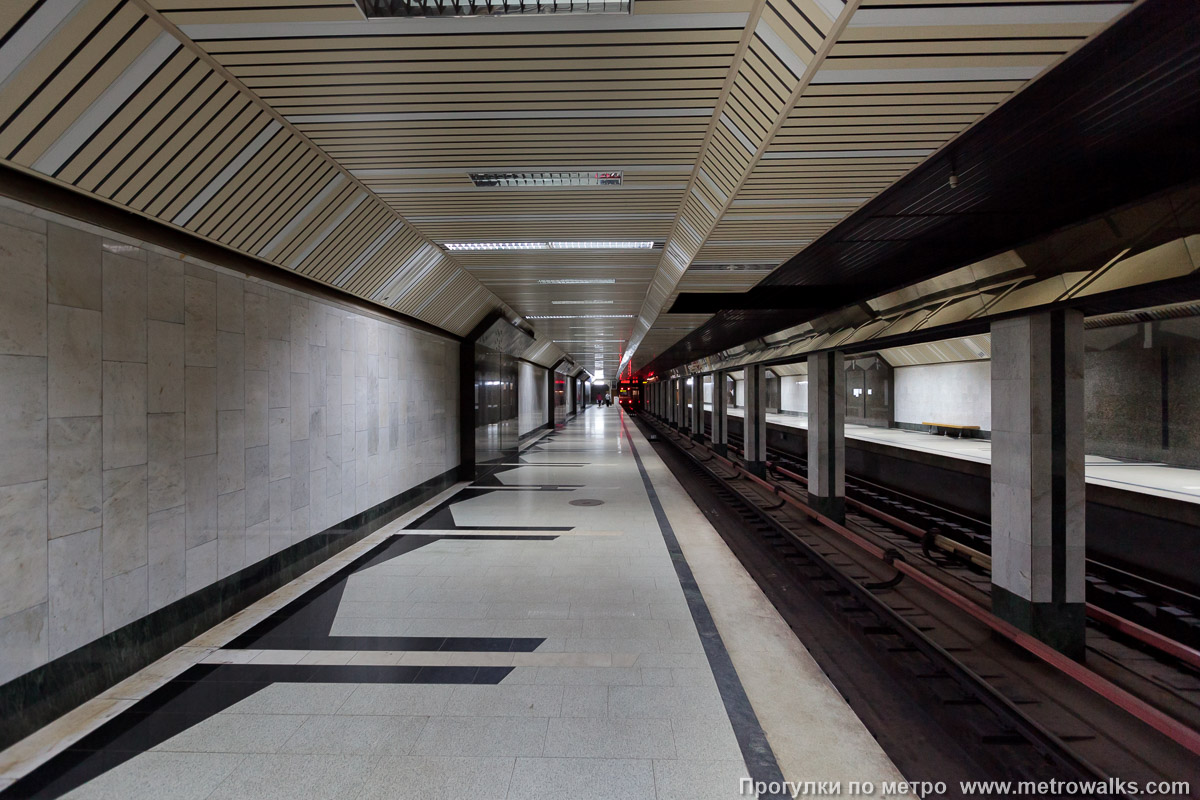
(166, 423)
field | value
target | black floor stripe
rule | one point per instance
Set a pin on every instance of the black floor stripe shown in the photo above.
(756, 750)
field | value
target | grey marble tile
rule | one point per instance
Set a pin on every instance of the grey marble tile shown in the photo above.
(257, 480)
(164, 288)
(297, 698)
(280, 521)
(201, 566)
(279, 431)
(419, 699)
(235, 733)
(299, 335)
(23, 641)
(286, 777)
(481, 736)
(168, 573)
(200, 490)
(257, 357)
(438, 778)
(664, 701)
(230, 304)
(126, 598)
(258, 542)
(23, 301)
(153, 776)
(165, 478)
(699, 780)
(73, 267)
(582, 779)
(279, 375)
(231, 533)
(256, 408)
(279, 314)
(164, 367)
(124, 308)
(200, 319)
(76, 495)
(345, 734)
(299, 476)
(231, 451)
(124, 414)
(582, 737)
(124, 523)
(299, 406)
(23, 543)
(22, 419)
(505, 701)
(76, 591)
(231, 372)
(200, 424)
(74, 376)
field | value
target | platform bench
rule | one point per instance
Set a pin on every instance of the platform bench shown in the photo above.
(935, 426)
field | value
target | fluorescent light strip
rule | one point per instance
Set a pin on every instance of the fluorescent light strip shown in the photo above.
(581, 316)
(575, 281)
(603, 245)
(581, 302)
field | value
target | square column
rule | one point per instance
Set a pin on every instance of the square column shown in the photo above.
(754, 429)
(1038, 502)
(681, 416)
(697, 424)
(827, 435)
(673, 403)
(720, 418)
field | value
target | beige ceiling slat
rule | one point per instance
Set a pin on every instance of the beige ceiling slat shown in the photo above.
(41, 89)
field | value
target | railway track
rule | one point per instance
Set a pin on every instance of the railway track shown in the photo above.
(924, 604)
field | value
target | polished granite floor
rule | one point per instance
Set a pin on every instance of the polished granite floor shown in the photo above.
(1161, 480)
(529, 636)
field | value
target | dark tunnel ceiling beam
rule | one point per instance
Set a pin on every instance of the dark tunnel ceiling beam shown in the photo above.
(1112, 124)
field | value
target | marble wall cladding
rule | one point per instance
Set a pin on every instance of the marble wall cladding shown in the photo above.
(531, 397)
(958, 393)
(166, 423)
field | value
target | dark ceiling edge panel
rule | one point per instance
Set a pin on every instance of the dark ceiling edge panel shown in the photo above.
(1147, 295)
(59, 199)
(1136, 32)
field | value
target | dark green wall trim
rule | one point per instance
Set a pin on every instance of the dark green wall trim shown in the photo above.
(46, 693)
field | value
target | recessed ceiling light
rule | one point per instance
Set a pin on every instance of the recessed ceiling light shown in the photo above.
(496, 246)
(600, 245)
(581, 316)
(581, 302)
(377, 9)
(574, 281)
(489, 179)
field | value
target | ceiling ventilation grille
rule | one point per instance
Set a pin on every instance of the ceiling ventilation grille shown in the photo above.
(375, 9)
(546, 178)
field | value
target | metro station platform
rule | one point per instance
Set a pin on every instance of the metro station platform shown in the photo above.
(569, 626)
(1156, 479)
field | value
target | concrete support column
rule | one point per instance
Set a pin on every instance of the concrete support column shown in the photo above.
(720, 418)
(1038, 503)
(672, 403)
(681, 419)
(827, 435)
(697, 423)
(754, 434)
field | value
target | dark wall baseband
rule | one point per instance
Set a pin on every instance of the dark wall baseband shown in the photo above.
(22, 186)
(46, 693)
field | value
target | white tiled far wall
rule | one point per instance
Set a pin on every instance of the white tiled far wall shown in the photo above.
(165, 423)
